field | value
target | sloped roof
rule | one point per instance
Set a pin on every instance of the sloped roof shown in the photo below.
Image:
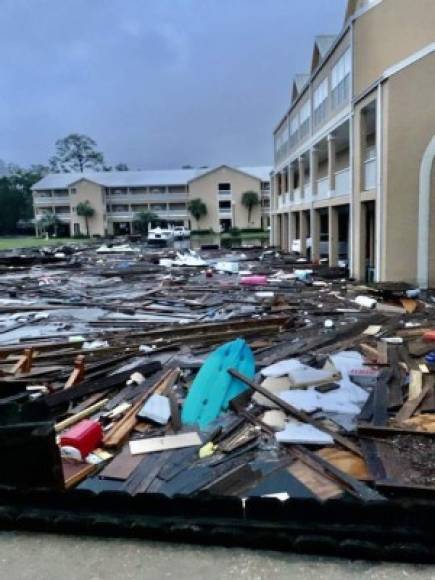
(322, 44)
(136, 178)
(299, 81)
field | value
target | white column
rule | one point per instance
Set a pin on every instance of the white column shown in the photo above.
(331, 163)
(314, 166)
(301, 175)
(291, 172)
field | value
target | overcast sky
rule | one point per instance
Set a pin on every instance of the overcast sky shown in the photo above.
(157, 83)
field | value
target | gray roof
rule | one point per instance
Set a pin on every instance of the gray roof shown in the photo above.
(300, 80)
(324, 43)
(137, 178)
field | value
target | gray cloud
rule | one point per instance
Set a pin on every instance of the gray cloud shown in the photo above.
(157, 83)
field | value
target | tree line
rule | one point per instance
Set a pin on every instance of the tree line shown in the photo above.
(74, 153)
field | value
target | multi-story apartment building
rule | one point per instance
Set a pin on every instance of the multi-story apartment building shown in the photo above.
(354, 152)
(117, 197)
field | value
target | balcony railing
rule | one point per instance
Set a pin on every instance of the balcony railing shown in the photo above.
(323, 187)
(370, 174)
(342, 182)
(297, 195)
(146, 197)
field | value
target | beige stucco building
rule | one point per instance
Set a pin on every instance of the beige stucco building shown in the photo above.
(353, 176)
(117, 197)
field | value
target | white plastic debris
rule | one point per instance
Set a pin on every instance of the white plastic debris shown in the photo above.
(365, 301)
(274, 419)
(157, 409)
(146, 348)
(94, 344)
(281, 368)
(228, 267)
(304, 434)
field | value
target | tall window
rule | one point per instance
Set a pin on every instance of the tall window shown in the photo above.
(304, 119)
(294, 128)
(340, 80)
(281, 142)
(320, 101)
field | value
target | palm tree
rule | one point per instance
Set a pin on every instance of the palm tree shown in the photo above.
(250, 200)
(197, 208)
(84, 209)
(50, 221)
(143, 219)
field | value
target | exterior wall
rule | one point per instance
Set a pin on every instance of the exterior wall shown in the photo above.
(411, 125)
(388, 33)
(325, 72)
(358, 193)
(331, 112)
(164, 200)
(88, 191)
(206, 188)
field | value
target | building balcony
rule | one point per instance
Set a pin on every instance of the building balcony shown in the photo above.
(369, 174)
(146, 197)
(297, 195)
(323, 188)
(44, 201)
(163, 214)
(342, 182)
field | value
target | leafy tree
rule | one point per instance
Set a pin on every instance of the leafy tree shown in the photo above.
(197, 208)
(143, 219)
(16, 196)
(50, 222)
(84, 209)
(76, 153)
(118, 167)
(250, 199)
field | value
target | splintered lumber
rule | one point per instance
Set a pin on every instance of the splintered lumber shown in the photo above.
(346, 461)
(90, 386)
(79, 416)
(78, 372)
(292, 411)
(24, 363)
(411, 405)
(324, 467)
(321, 485)
(117, 435)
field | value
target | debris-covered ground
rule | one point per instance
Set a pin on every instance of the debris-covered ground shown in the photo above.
(244, 373)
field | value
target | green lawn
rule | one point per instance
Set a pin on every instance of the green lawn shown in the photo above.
(247, 236)
(29, 242)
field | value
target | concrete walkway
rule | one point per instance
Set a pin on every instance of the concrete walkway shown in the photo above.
(48, 557)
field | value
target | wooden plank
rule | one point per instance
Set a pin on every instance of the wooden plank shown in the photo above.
(121, 466)
(346, 461)
(90, 387)
(415, 384)
(319, 484)
(411, 405)
(124, 426)
(79, 416)
(153, 444)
